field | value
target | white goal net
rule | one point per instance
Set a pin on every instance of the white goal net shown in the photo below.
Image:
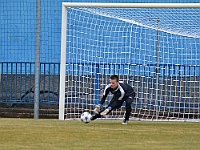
(155, 50)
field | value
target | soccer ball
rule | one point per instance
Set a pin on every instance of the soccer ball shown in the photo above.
(85, 117)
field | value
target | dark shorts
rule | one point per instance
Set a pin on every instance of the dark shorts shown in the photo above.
(115, 103)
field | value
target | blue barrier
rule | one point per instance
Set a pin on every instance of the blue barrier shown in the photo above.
(17, 81)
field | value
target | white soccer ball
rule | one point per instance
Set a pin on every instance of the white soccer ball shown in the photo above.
(85, 117)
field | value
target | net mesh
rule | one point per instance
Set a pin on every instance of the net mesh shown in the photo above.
(154, 50)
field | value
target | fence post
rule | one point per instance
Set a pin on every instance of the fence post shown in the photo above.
(37, 63)
(1, 93)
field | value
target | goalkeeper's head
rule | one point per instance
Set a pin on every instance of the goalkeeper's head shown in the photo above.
(114, 81)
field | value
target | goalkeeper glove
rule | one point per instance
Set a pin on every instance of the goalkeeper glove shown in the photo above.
(105, 112)
(97, 109)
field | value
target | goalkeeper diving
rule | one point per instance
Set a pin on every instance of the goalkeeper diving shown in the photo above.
(122, 92)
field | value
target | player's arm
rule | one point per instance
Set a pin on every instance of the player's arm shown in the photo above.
(105, 94)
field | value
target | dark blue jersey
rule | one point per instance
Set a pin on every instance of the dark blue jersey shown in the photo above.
(123, 91)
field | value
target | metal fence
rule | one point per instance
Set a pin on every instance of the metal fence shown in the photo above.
(17, 82)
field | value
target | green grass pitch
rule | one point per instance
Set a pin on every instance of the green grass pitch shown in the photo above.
(41, 134)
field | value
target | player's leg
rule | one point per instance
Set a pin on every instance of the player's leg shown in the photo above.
(129, 101)
(95, 116)
(114, 104)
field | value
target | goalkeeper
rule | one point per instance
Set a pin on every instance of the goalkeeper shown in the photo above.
(122, 92)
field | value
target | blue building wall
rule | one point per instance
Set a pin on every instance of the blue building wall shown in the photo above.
(17, 32)
(18, 22)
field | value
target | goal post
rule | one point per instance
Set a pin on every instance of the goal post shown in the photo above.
(155, 47)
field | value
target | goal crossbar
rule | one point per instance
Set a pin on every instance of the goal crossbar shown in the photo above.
(133, 5)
